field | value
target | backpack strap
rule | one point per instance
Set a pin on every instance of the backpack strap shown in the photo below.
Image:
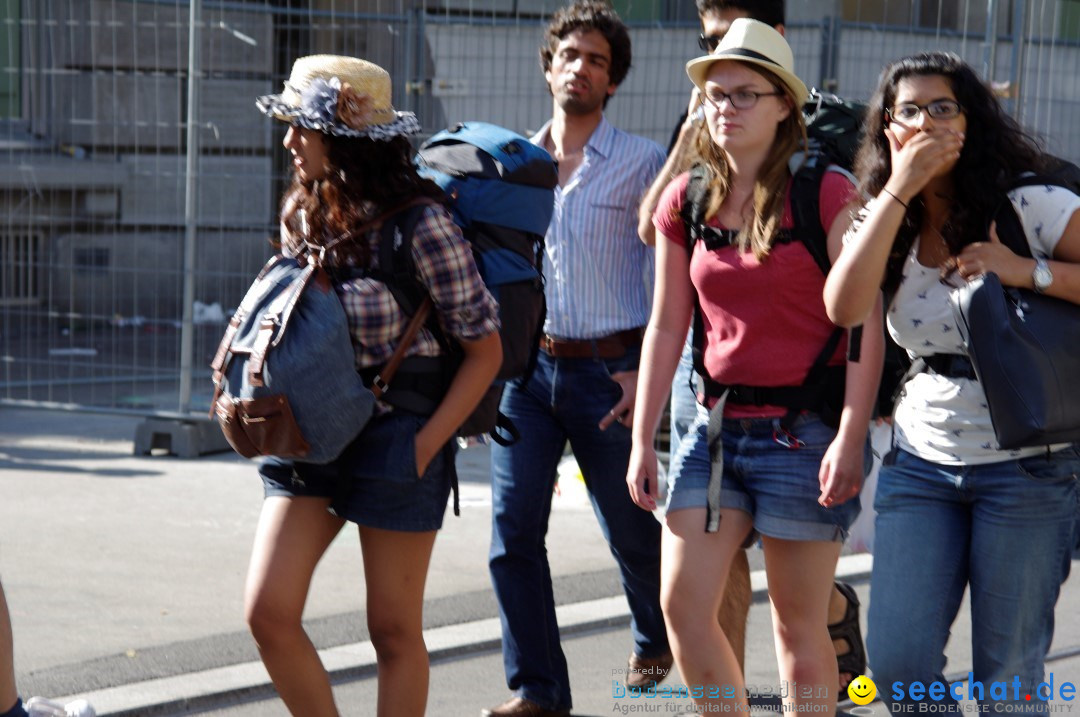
(272, 327)
(396, 266)
(806, 215)
(1059, 173)
(417, 375)
(1009, 228)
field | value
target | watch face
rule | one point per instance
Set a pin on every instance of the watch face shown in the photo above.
(1042, 276)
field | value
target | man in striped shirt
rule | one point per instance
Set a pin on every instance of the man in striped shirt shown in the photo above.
(598, 289)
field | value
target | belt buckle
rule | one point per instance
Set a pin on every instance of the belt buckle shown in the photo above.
(547, 344)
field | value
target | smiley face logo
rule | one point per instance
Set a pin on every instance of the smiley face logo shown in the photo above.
(862, 690)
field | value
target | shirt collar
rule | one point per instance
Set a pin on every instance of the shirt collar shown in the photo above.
(601, 141)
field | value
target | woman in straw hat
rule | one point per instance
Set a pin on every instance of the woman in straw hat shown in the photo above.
(352, 166)
(778, 468)
(940, 156)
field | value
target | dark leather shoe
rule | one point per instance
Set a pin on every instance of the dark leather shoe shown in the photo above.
(645, 672)
(521, 707)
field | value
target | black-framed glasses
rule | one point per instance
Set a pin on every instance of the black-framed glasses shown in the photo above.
(740, 99)
(938, 109)
(708, 43)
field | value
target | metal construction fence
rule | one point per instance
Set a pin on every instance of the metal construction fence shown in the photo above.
(139, 186)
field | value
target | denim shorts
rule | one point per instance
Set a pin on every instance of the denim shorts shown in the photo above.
(374, 482)
(776, 485)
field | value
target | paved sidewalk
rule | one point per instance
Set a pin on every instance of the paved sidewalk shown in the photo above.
(125, 578)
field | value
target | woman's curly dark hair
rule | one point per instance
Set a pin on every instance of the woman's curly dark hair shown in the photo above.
(996, 150)
(366, 178)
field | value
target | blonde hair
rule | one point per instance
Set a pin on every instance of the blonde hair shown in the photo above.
(771, 183)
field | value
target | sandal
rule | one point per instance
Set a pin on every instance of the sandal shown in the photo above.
(853, 661)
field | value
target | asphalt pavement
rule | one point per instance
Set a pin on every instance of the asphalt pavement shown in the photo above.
(124, 575)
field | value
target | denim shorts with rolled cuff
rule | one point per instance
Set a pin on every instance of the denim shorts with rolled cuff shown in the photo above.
(776, 485)
(374, 483)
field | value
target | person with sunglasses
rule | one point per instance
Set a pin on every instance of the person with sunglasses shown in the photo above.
(955, 513)
(716, 17)
(785, 473)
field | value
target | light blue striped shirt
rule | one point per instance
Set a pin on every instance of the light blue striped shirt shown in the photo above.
(598, 273)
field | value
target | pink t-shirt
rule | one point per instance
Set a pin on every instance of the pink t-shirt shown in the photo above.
(765, 321)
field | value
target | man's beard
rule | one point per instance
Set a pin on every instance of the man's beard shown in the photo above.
(579, 104)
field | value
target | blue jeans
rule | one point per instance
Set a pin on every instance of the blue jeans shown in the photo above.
(685, 408)
(565, 399)
(1005, 531)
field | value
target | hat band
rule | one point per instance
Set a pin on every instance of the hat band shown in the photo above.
(750, 54)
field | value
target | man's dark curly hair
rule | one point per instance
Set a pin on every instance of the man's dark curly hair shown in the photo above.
(770, 12)
(588, 15)
(366, 178)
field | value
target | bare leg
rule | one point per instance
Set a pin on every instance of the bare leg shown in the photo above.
(694, 567)
(395, 570)
(735, 606)
(292, 536)
(8, 693)
(800, 581)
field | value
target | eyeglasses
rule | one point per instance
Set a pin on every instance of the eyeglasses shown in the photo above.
(708, 43)
(740, 99)
(938, 109)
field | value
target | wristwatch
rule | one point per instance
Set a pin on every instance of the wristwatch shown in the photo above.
(1042, 277)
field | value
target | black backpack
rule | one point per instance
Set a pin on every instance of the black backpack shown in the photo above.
(834, 130)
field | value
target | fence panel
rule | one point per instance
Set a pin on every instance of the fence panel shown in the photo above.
(93, 145)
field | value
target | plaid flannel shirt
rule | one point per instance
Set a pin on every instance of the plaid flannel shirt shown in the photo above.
(444, 265)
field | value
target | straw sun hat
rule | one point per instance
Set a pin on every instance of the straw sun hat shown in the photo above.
(339, 95)
(754, 43)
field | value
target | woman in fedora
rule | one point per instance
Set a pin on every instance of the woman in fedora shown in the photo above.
(352, 166)
(940, 155)
(777, 468)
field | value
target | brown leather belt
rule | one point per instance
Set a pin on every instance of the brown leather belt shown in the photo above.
(605, 347)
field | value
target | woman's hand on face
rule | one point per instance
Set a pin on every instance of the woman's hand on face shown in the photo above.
(919, 159)
(986, 256)
(642, 469)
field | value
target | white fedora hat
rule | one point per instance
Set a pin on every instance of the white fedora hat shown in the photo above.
(754, 43)
(339, 95)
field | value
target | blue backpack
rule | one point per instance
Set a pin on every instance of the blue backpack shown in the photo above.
(500, 189)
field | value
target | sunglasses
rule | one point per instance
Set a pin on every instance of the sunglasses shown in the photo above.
(708, 43)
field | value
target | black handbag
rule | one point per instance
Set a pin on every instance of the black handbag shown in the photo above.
(1025, 348)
